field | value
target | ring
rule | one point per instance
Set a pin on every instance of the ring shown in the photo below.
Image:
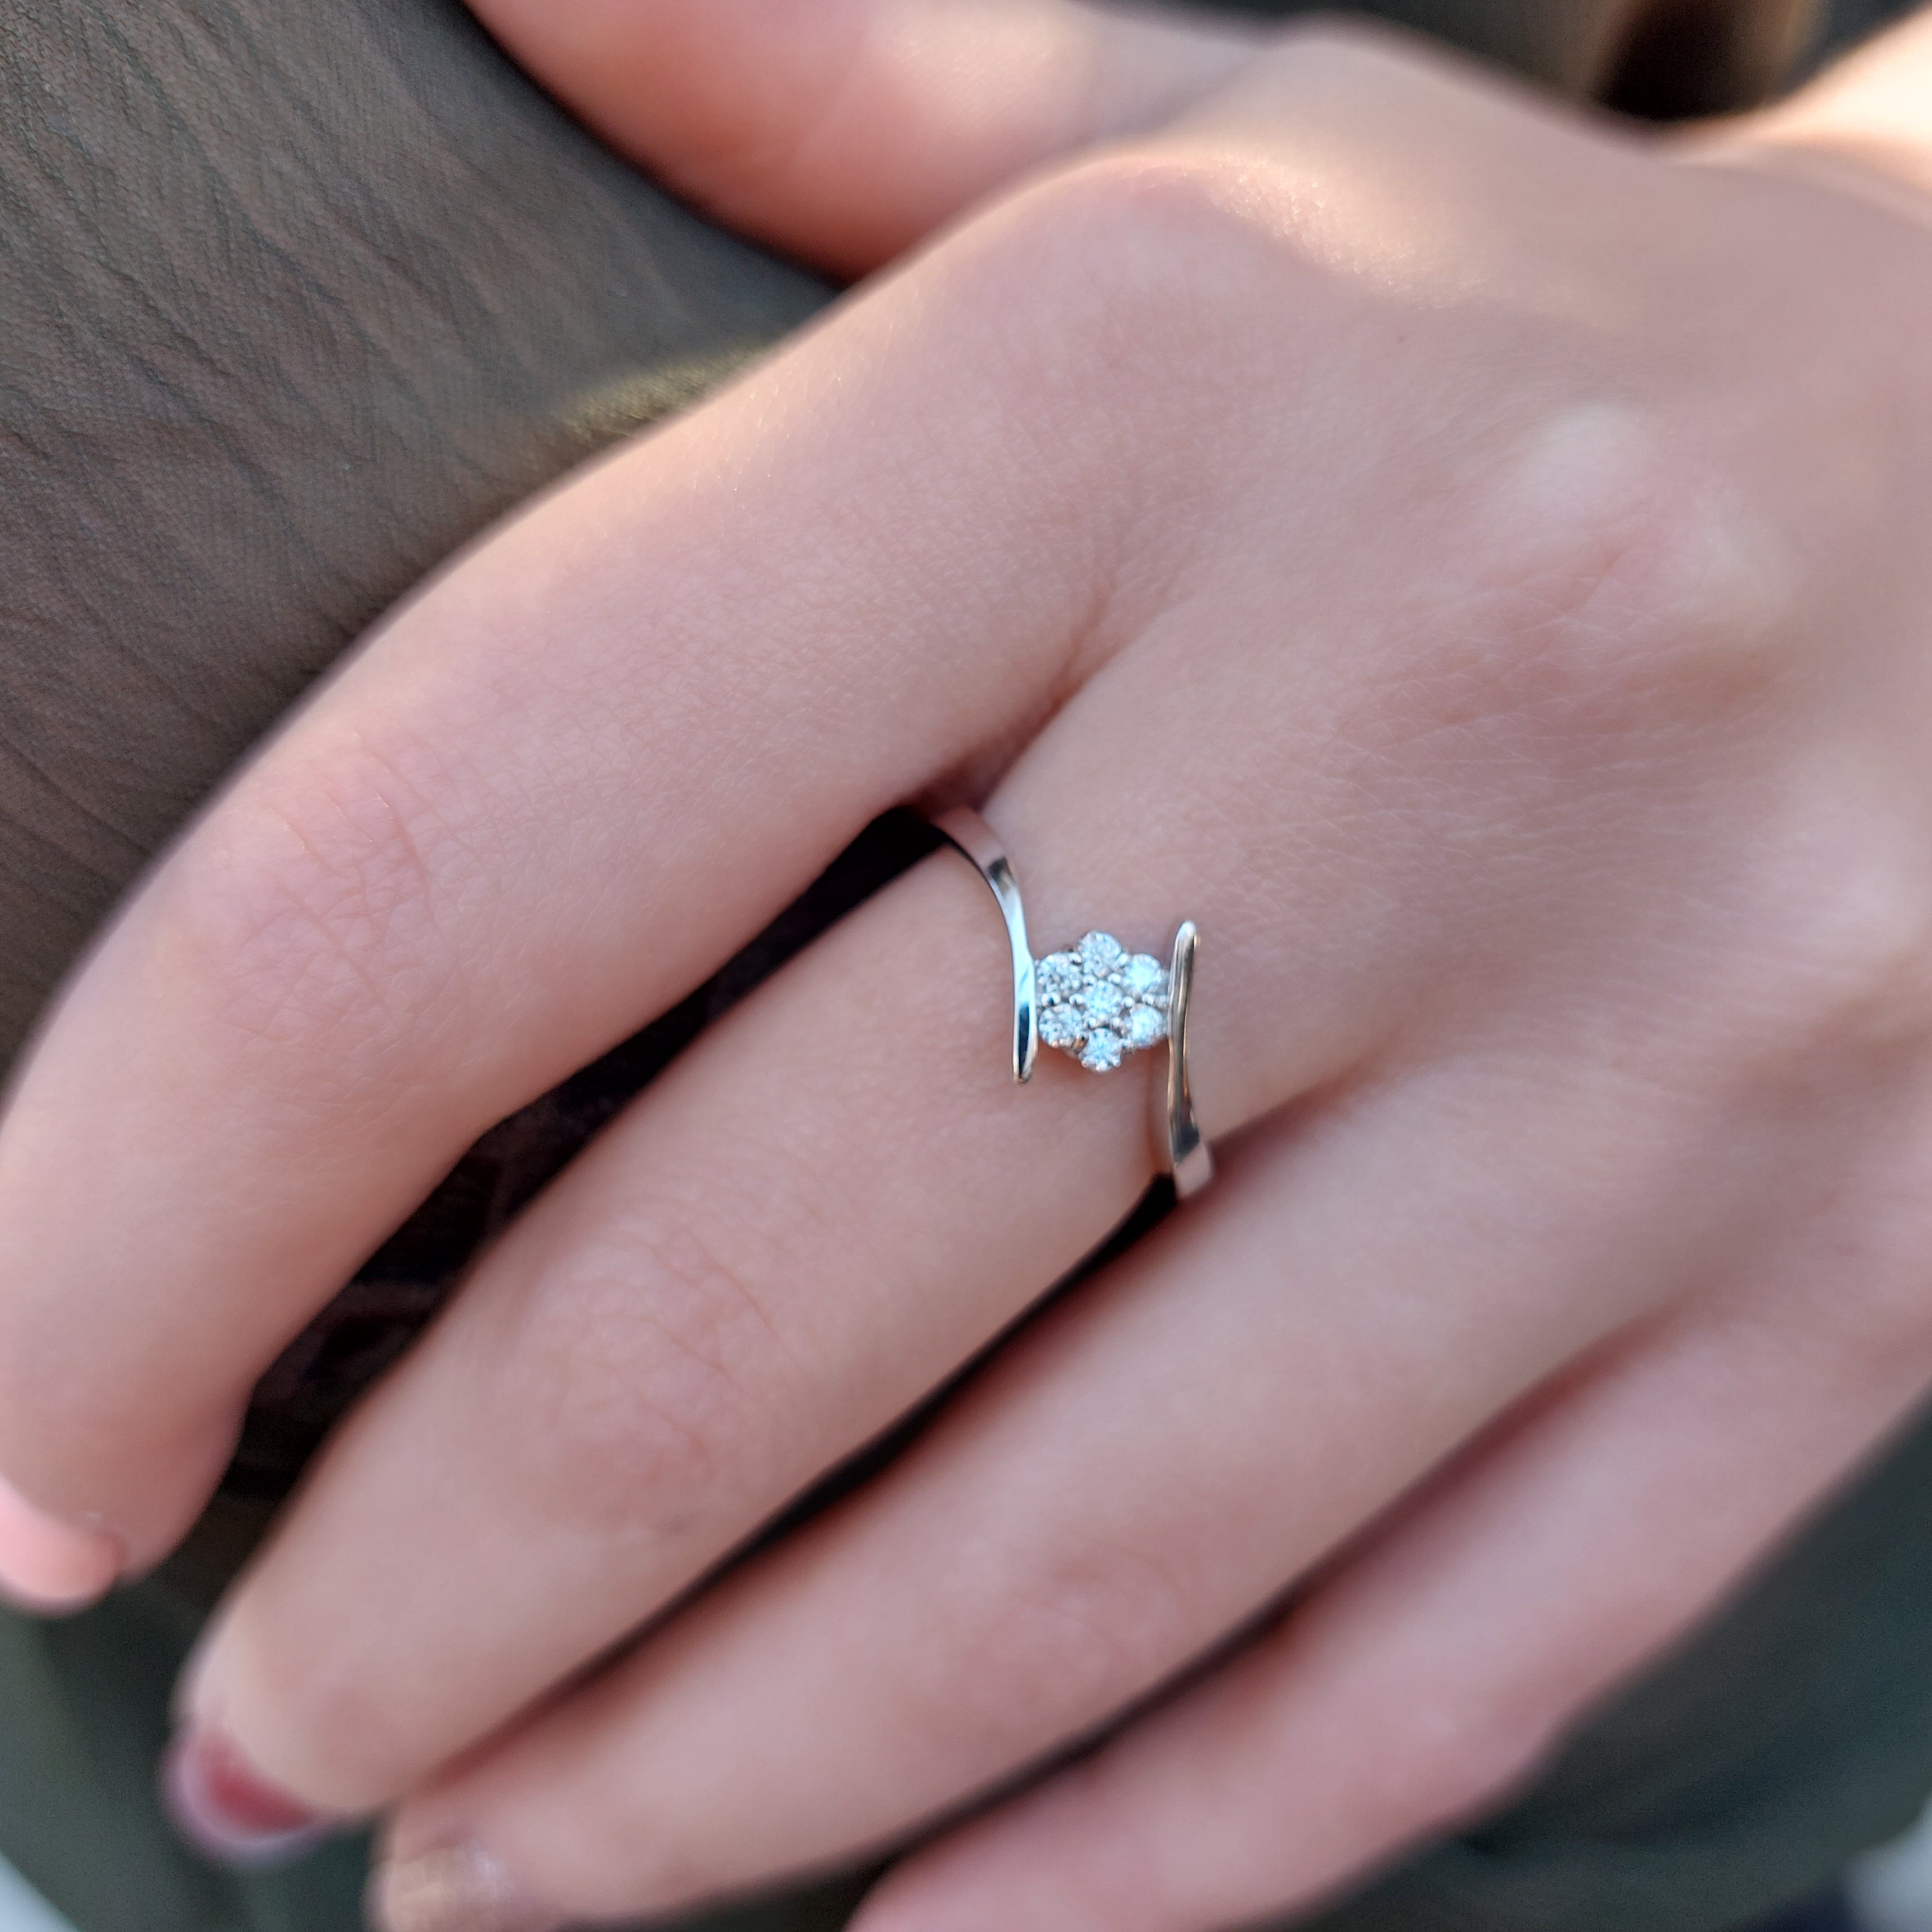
(1097, 1002)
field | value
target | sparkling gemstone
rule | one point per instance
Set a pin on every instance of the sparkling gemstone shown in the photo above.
(1060, 1026)
(1101, 952)
(1104, 1003)
(1102, 1053)
(1099, 1002)
(1058, 976)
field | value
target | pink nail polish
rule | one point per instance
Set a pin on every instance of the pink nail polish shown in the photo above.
(46, 1565)
(222, 1805)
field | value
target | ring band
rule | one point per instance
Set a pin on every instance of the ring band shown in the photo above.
(1096, 1001)
(967, 833)
(1189, 1158)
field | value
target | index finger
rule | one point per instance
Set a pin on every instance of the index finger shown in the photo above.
(552, 794)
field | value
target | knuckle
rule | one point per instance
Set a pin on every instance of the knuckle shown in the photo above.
(1125, 212)
(1086, 1628)
(1836, 972)
(1169, 228)
(1128, 240)
(1620, 581)
(306, 912)
(642, 1367)
(1127, 283)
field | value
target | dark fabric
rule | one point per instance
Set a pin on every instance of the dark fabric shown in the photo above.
(1662, 58)
(1830, 1913)
(293, 300)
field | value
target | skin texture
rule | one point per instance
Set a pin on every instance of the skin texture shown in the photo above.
(1479, 687)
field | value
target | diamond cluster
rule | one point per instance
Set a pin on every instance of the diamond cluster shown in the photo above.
(1100, 1003)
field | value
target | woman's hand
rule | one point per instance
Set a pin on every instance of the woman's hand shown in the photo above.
(1470, 561)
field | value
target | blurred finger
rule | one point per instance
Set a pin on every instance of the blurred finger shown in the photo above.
(845, 131)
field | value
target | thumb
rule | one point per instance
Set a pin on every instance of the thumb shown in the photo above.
(843, 130)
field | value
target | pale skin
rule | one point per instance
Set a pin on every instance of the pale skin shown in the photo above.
(1469, 559)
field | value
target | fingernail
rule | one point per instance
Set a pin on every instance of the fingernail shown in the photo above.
(46, 1565)
(224, 1807)
(459, 1888)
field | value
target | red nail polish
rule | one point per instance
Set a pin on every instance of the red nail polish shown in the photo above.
(222, 1805)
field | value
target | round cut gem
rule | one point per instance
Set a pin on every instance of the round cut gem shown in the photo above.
(1101, 952)
(1060, 1026)
(1059, 975)
(1102, 1053)
(1099, 1002)
(1106, 1003)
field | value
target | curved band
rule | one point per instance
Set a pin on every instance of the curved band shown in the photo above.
(970, 834)
(1189, 1159)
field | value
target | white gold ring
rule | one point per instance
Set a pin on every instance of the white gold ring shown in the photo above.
(1097, 1002)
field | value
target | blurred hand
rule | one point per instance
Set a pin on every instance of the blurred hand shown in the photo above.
(1470, 561)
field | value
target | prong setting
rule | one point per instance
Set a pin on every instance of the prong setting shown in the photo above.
(1099, 1002)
